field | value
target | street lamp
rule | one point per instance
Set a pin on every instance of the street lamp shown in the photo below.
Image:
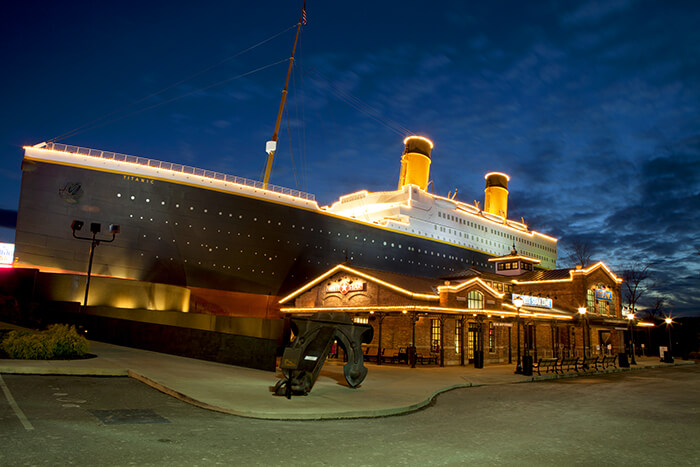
(518, 302)
(669, 358)
(582, 312)
(630, 317)
(95, 228)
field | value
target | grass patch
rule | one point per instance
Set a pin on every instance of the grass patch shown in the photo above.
(59, 341)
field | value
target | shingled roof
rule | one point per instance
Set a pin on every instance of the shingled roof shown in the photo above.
(541, 275)
(415, 284)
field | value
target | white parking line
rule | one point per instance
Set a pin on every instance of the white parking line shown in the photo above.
(8, 395)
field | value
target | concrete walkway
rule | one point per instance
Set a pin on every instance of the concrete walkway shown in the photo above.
(387, 390)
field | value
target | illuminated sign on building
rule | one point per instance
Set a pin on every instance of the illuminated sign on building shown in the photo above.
(345, 287)
(7, 253)
(602, 294)
(535, 301)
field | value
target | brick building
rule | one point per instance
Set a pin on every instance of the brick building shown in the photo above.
(471, 316)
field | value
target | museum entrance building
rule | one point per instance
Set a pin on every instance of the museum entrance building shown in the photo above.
(476, 316)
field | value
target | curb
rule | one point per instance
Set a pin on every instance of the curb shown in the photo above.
(261, 415)
(62, 371)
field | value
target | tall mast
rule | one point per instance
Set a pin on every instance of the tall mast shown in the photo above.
(272, 145)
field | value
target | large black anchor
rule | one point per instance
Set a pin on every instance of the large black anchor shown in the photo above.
(303, 359)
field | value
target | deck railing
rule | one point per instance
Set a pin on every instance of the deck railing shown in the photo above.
(179, 168)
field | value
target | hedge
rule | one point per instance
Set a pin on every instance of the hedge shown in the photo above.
(58, 341)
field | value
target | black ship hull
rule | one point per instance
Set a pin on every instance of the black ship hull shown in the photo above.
(186, 235)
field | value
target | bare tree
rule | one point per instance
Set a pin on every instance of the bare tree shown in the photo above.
(658, 308)
(635, 287)
(580, 253)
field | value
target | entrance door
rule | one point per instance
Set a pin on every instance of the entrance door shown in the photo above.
(605, 338)
(472, 341)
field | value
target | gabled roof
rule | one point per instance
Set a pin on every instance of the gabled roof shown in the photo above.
(413, 283)
(462, 285)
(563, 275)
(410, 286)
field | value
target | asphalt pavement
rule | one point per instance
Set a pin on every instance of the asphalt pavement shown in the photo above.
(388, 389)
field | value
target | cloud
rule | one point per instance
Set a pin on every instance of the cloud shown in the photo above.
(595, 10)
(221, 124)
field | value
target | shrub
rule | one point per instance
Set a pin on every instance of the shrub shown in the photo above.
(58, 341)
(66, 342)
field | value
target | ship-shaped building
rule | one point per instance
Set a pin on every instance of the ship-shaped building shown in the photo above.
(237, 245)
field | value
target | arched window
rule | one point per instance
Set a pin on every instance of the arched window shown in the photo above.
(475, 299)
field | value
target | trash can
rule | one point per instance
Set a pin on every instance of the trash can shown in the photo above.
(622, 360)
(478, 359)
(668, 357)
(527, 365)
(411, 356)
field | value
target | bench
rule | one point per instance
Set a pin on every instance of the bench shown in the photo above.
(608, 360)
(431, 358)
(389, 358)
(368, 357)
(589, 362)
(548, 364)
(571, 362)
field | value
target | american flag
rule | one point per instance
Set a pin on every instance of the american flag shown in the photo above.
(303, 14)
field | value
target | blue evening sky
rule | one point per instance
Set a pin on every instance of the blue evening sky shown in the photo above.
(591, 107)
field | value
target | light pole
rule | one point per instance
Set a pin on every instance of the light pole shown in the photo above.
(669, 358)
(582, 312)
(630, 317)
(95, 228)
(518, 302)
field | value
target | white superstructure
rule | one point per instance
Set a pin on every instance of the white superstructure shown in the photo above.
(417, 212)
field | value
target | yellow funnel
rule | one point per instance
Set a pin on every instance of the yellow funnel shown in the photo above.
(496, 194)
(415, 162)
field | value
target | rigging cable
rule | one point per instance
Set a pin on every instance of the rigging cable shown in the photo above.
(88, 126)
(242, 75)
(361, 106)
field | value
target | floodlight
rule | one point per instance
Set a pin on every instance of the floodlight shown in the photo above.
(95, 227)
(77, 225)
(114, 229)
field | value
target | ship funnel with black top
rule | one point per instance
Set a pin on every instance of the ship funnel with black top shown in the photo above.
(496, 194)
(415, 162)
